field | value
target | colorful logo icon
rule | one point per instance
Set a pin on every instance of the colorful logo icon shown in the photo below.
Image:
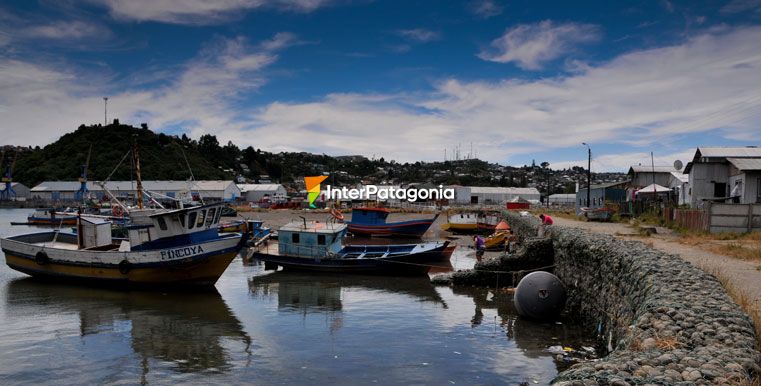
(313, 188)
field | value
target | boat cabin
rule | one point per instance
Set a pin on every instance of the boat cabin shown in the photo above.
(369, 216)
(310, 238)
(152, 228)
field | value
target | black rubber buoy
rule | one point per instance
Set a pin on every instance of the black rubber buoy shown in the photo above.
(539, 295)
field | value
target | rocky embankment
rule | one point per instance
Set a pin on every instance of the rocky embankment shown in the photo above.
(663, 320)
(666, 321)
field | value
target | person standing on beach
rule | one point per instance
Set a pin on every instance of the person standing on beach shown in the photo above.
(480, 246)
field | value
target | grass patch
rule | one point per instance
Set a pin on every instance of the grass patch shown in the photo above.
(746, 303)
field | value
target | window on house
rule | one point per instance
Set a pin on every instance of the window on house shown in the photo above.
(192, 219)
(295, 238)
(162, 223)
(321, 239)
(719, 189)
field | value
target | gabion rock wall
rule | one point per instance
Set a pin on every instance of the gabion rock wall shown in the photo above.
(666, 321)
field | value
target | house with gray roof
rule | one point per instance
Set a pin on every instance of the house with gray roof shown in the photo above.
(725, 174)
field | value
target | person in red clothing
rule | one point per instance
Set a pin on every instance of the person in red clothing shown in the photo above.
(544, 228)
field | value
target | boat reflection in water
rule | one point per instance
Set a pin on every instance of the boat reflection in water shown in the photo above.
(309, 292)
(192, 335)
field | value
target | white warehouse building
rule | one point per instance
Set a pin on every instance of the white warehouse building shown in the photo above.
(493, 195)
(256, 192)
(214, 190)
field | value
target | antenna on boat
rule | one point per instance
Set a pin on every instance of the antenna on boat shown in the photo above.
(192, 178)
(136, 158)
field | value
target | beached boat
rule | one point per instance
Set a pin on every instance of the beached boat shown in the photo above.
(317, 246)
(179, 246)
(372, 222)
(488, 221)
(461, 222)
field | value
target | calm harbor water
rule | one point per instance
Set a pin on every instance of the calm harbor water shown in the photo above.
(271, 328)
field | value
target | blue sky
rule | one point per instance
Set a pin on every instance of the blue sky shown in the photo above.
(404, 80)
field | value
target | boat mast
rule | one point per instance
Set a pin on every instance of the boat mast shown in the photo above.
(136, 160)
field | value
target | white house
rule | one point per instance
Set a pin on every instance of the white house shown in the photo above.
(256, 192)
(493, 195)
(725, 174)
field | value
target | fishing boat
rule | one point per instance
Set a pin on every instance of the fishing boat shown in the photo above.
(232, 226)
(51, 217)
(163, 247)
(317, 246)
(461, 222)
(372, 222)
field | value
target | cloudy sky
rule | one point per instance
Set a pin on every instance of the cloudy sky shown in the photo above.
(405, 80)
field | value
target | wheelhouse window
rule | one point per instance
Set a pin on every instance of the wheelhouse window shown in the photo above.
(295, 238)
(758, 191)
(216, 218)
(321, 239)
(162, 223)
(201, 217)
(182, 219)
(212, 214)
(192, 219)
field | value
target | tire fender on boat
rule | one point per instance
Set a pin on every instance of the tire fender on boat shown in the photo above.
(124, 267)
(41, 258)
(337, 214)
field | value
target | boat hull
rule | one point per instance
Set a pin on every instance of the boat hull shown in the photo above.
(402, 265)
(198, 265)
(399, 229)
(454, 227)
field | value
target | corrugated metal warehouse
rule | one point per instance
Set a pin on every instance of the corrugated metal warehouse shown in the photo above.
(22, 191)
(563, 199)
(208, 190)
(256, 192)
(493, 195)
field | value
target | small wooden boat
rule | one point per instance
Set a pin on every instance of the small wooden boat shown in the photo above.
(51, 217)
(232, 226)
(372, 222)
(461, 222)
(317, 246)
(488, 221)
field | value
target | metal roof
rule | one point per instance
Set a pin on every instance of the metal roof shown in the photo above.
(153, 185)
(563, 195)
(681, 176)
(650, 169)
(729, 152)
(259, 187)
(746, 163)
(501, 190)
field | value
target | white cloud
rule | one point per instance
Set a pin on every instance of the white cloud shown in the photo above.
(655, 97)
(420, 35)
(485, 8)
(198, 12)
(531, 45)
(737, 6)
(51, 102)
(66, 30)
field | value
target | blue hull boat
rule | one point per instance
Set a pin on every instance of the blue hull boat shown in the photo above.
(372, 222)
(318, 247)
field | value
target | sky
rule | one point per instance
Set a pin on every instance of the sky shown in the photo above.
(515, 81)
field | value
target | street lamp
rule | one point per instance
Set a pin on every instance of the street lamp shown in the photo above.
(589, 173)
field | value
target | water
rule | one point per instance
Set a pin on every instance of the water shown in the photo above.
(271, 328)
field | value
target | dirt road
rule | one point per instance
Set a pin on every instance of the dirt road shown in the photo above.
(744, 276)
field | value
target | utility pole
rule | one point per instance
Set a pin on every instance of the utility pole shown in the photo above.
(589, 173)
(105, 111)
